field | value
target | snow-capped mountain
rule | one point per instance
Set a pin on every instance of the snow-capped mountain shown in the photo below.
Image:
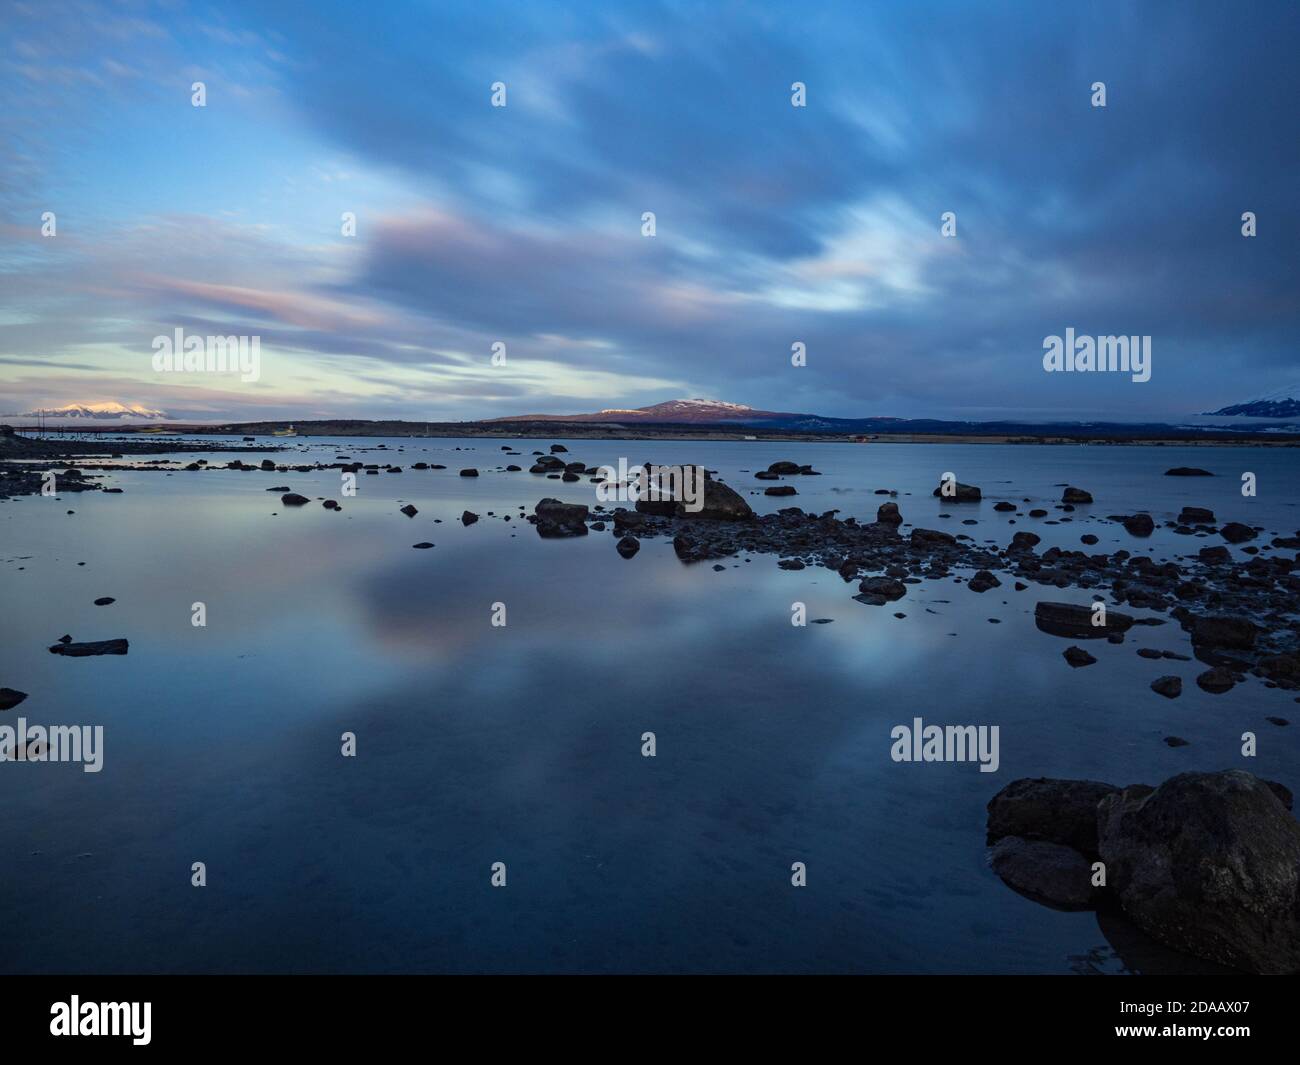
(1283, 403)
(100, 411)
(674, 410)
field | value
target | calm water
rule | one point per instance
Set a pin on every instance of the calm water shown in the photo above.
(521, 744)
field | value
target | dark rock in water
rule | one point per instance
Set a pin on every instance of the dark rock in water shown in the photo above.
(1170, 687)
(558, 449)
(10, 697)
(877, 591)
(1176, 741)
(1004, 507)
(933, 537)
(628, 546)
(1216, 681)
(1218, 631)
(1195, 516)
(1076, 495)
(1139, 524)
(471, 472)
(293, 499)
(1236, 533)
(781, 490)
(1208, 863)
(85, 650)
(1067, 619)
(409, 510)
(888, 514)
(423, 545)
(419, 465)
(1088, 538)
(1024, 541)
(1046, 872)
(720, 504)
(468, 518)
(659, 508)
(1279, 721)
(628, 519)
(783, 467)
(1077, 657)
(1053, 810)
(105, 600)
(790, 563)
(958, 493)
(267, 464)
(982, 581)
(1150, 652)
(569, 477)
(766, 475)
(1187, 471)
(331, 504)
(556, 519)
(514, 469)
(1214, 555)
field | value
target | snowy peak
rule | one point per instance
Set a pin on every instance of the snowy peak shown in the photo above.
(673, 410)
(1280, 403)
(107, 410)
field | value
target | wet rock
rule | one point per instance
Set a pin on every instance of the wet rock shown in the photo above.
(1214, 555)
(877, 591)
(1025, 541)
(1222, 631)
(720, 504)
(780, 490)
(1187, 471)
(1139, 524)
(409, 510)
(783, 467)
(423, 545)
(10, 697)
(1236, 533)
(1077, 657)
(1068, 619)
(1088, 538)
(514, 469)
(1216, 681)
(790, 563)
(468, 518)
(1170, 687)
(293, 499)
(471, 472)
(1046, 872)
(1195, 516)
(933, 537)
(888, 514)
(331, 504)
(1049, 809)
(105, 600)
(1076, 495)
(558, 449)
(628, 546)
(1208, 863)
(958, 493)
(982, 581)
(555, 519)
(94, 647)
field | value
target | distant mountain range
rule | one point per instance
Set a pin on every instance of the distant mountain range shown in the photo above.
(1284, 403)
(98, 411)
(676, 411)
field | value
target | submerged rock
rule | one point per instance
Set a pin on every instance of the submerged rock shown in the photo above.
(628, 546)
(1069, 619)
(958, 493)
(1054, 810)
(1047, 872)
(94, 647)
(1077, 657)
(1170, 687)
(1188, 471)
(1076, 495)
(10, 697)
(293, 499)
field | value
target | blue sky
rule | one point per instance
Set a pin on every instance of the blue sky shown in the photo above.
(522, 224)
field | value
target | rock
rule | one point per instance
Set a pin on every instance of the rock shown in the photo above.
(958, 493)
(1169, 687)
(1024, 541)
(422, 545)
(1077, 657)
(1195, 516)
(1214, 555)
(720, 504)
(1176, 741)
(331, 504)
(790, 563)
(267, 464)
(780, 490)
(766, 475)
(514, 469)
(783, 467)
(933, 537)
(558, 449)
(556, 519)
(293, 499)
(1187, 471)
(1067, 619)
(1076, 495)
(1216, 681)
(471, 472)
(1208, 863)
(10, 697)
(877, 591)
(1053, 810)
(409, 510)
(1088, 538)
(1004, 507)
(1046, 872)
(85, 650)
(1139, 524)
(628, 546)
(468, 518)
(1236, 533)
(105, 600)
(982, 581)
(1221, 631)
(888, 514)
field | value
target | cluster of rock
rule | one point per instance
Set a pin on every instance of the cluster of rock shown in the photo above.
(1207, 863)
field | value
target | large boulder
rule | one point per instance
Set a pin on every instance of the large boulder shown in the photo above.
(720, 504)
(1075, 622)
(1208, 863)
(958, 493)
(1046, 872)
(889, 514)
(556, 519)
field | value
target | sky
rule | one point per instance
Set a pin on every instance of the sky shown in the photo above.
(522, 225)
